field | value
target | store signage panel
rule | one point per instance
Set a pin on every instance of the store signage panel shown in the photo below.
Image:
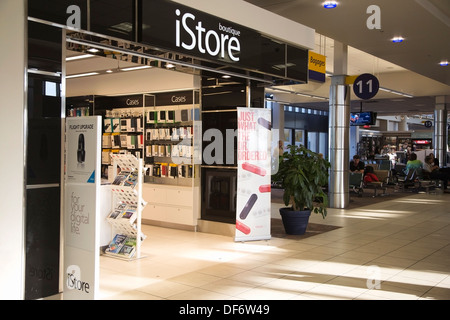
(178, 28)
(81, 208)
(64, 12)
(183, 29)
(169, 26)
(317, 66)
(253, 208)
(127, 101)
(176, 98)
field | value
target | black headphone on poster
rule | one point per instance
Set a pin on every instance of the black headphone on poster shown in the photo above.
(81, 153)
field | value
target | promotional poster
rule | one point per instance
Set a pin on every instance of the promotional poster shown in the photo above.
(254, 174)
(81, 149)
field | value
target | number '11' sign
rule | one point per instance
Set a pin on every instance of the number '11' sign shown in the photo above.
(366, 86)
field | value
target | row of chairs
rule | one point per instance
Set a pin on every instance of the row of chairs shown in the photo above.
(357, 184)
(413, 179)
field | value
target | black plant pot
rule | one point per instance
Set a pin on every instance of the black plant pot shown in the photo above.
(295, 222)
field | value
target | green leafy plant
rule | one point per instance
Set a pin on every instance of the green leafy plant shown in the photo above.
(303, 174)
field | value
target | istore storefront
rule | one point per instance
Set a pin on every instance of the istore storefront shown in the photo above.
(177, 90)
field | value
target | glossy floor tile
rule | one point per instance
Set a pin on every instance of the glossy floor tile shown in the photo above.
(397, 249)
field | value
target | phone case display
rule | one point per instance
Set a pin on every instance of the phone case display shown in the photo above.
(169, 147)
(123, 133)
(125, 218)
(163, 137)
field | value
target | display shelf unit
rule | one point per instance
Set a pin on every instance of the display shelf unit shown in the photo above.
(166, 124)
(126, 216)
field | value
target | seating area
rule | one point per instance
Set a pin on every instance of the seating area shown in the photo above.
(392, 181)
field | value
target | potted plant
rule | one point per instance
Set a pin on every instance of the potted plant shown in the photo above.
(303, 174)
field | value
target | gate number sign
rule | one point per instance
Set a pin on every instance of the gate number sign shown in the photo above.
(366, 86)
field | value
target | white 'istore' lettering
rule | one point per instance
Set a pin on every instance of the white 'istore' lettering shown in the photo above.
(206, 41)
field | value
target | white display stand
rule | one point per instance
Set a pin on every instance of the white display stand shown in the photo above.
(124, 196)
(81, 208)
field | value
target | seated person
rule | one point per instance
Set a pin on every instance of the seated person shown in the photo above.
(369, 175)
(428, 167)
(356, 165)
(413, 163)
(435, 160)
(431, 171)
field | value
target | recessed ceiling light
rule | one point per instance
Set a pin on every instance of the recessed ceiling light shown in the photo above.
(83, 56)
(226, 76)
(82, 75)
(397, 39)
(93, 50)
(443, 63)
(135, 68)
(330, 4)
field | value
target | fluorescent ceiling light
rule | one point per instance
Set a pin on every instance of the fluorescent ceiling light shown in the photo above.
(330, 4)
(93, 50)
(135, 68)
(396, 92)
(82, 75)
(83, 56)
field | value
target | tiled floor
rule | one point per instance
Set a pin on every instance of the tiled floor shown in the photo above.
(398, 249)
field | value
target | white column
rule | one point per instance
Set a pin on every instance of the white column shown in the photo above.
(339, 132)
(440, 130)
(403, 125)
(13, 57)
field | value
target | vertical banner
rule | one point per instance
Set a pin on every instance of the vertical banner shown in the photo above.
(81, 208)
(254, 174)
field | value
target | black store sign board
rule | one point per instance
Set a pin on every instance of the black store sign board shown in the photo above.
(176, 28)
(57, 10)
(185, 30)
(157, 99)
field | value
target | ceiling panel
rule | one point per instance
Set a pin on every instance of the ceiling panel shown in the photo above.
(411, 66)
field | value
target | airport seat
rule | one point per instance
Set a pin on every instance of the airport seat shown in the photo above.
(410, 180)
(381, 185)
(356, 183)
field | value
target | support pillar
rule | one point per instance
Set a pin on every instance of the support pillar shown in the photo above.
(13, 105)
(440, 130)
(339, 131)
(403, 125)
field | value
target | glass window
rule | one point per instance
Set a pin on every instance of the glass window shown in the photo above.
(312, 141)
(51, 89)
(299, 137)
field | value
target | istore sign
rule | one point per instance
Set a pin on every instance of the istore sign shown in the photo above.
(222, 42)
(195, 33)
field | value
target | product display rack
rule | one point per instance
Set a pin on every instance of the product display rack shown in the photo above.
(169, 144)
(126, 216)
(166, 125)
